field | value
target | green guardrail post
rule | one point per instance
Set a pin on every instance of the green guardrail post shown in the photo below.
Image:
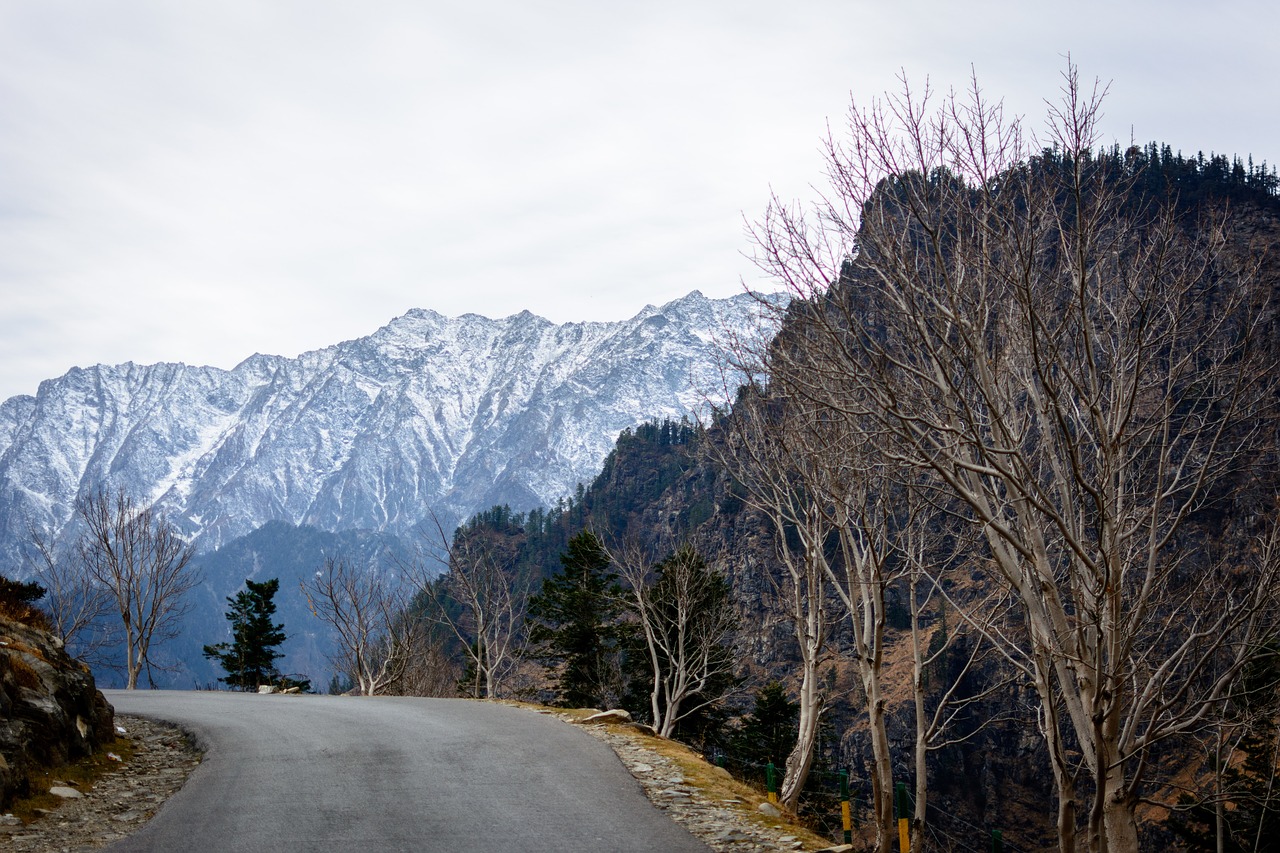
(997, 841)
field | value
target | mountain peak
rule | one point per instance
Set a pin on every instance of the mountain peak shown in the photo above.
(427, 415)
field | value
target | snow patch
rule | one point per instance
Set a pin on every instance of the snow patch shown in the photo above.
(427, 413)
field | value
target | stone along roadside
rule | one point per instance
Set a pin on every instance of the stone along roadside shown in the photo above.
(726, 817)
(119, 803)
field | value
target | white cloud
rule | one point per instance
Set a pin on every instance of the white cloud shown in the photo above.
(197, 182)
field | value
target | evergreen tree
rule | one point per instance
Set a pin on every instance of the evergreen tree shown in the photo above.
(20, 592)
(766, 734)
(249, 658)
(575, 628)
(339, 685)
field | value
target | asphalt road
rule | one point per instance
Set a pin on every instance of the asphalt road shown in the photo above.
(332, 773)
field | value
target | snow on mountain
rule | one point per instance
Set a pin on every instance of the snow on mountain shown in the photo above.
(427, 414)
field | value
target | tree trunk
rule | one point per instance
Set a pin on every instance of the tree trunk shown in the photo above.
(801, 757)
(132, 660)
(674, 695)
(1119, 822)
(1066, 824)
(922, 775)
(922, 723)
(882, 769)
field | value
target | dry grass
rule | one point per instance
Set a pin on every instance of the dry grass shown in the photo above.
(27, 614)
(712, 782)
(23, 675)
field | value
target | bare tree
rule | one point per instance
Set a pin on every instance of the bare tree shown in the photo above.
(368, 612)
(756, 449)
(944, 659)
(845, 498)
(428, 668)
(134, 554)
(687, 621)
(859, 518)
(875, 552)
(1082, 373)
(480, 579)
(804, 465)
(76, 604)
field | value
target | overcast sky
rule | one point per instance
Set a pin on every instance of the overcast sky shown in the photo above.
(201, 181)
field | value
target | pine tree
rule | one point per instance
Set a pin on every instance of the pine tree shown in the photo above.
(249, 658)
(768, 733)
(576, 631)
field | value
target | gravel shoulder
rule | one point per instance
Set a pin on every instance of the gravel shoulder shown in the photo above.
(722, 813)
(119, 803)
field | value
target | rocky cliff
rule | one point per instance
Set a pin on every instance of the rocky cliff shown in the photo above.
(50, 711)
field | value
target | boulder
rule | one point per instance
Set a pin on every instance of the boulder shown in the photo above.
(617, 715)
(65, 792)
(51, 712)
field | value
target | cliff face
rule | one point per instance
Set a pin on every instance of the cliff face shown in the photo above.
(50, 711)
(999, 776)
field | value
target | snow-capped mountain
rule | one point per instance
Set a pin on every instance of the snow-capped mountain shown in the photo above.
(427, 414)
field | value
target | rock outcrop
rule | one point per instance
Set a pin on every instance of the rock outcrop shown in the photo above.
(51, 712)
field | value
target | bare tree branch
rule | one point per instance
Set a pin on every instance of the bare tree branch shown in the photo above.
(76, 604)
(480, 578)
(1081, 372)
(134, 554)
(368, 613)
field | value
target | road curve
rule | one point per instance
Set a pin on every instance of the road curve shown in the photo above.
(331, 773)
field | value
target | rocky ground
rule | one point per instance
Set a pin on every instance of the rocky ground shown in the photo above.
(719, 823)
(121, 802)
(726, 821)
